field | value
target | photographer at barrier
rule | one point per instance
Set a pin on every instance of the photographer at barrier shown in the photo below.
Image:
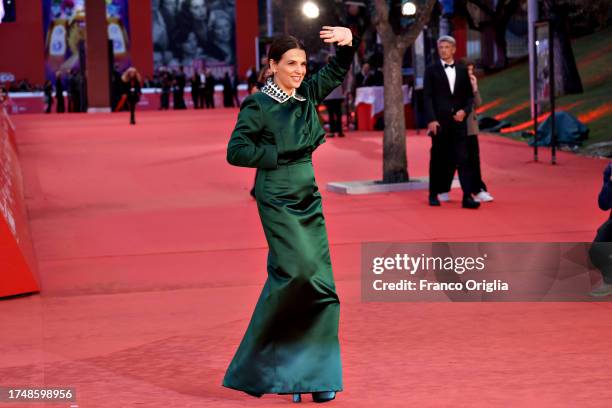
(600, 253)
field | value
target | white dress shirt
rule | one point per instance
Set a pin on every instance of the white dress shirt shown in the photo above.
(451, 74)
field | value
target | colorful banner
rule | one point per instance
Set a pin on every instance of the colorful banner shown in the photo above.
(196, 34)
(64, 34)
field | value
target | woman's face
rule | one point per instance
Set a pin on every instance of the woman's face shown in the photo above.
(169, 5)
(198, 9)
(290, 70)
(222, 29)
(190, 45)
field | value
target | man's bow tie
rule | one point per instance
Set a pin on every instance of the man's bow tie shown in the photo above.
(449, 66)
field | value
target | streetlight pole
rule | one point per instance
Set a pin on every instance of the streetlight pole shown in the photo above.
(532, 17)
(269, 21)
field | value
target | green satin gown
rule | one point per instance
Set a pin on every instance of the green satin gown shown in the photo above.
(291, 343)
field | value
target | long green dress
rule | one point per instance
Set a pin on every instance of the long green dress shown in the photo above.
(291, 344)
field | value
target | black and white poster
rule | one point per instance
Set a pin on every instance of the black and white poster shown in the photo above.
(194, 33)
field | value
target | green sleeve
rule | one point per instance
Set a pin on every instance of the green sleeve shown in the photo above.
(328, 78)
(243, 148)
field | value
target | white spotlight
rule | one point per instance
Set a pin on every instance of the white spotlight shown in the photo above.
(409, 9)
(310, 9)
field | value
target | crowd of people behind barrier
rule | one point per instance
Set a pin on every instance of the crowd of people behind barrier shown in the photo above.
(173, 83)
(67, 92)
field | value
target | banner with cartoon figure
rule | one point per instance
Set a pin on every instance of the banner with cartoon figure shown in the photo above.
(64, 34)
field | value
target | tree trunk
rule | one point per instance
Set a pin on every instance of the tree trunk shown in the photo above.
(487, 44)
(501, 45)
(395, 163)
(567, 78)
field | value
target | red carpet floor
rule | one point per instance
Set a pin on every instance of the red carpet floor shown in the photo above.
(152, 257)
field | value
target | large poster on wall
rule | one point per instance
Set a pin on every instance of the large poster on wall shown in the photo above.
(64, 34)
(194, 33)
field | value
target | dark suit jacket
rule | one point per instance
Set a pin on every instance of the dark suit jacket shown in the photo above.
(440, 103)
(361, 80)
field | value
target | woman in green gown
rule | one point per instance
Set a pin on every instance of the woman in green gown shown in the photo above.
(291, 344)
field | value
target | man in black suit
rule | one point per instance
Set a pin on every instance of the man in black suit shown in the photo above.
(181, 82)
(209, 90)
(364, 77)
(448, 101)
(59, 92)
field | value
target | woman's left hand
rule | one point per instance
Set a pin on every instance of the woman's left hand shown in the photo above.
(341, 35)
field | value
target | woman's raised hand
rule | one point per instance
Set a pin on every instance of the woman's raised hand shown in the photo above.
(341, 35)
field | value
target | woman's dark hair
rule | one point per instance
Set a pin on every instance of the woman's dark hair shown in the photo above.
(467, 62)
(282, 44)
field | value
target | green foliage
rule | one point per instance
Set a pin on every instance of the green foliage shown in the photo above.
(594, 58)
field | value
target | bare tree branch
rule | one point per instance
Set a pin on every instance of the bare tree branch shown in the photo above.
(483, 7)
(408, 37)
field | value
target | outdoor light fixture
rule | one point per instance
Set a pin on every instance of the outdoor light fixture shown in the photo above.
(310, 9)
(408, 8)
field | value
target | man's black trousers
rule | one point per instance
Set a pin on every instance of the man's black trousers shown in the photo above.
(449, 151)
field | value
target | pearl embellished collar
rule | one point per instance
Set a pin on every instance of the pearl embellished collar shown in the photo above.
(276, 93)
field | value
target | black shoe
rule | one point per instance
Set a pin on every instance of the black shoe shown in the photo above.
(323, 396)
(254, 394)
(469, 202)
(330, 135)
(340, 134)
(433, 201)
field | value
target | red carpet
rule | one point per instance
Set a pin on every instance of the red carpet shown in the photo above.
(152, 256)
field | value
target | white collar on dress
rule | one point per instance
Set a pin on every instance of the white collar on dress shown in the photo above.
(274, 92)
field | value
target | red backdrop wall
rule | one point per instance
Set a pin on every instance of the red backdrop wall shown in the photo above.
(247, 28)
(141, 34)
(22, 50)
(21, 43)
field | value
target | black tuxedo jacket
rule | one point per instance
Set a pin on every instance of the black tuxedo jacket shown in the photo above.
(440, 103)
(361, 80)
